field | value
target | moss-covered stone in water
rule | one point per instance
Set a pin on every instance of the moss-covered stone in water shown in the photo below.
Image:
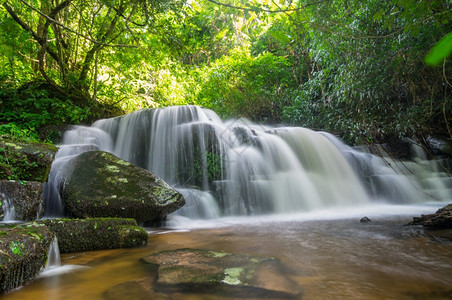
(23, 253)
(132, 192)
(75, 235)
(241, 275)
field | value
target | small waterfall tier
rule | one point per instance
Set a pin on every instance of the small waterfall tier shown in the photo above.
(53, 256)
(237, 167)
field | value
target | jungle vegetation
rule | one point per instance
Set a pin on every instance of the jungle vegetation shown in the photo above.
(354, 68)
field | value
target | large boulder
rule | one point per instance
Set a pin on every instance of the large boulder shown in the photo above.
(76, 235)
(441, 219)
(240, 275)
(100, 184)
(23, 253)
(28, 162)
(24, 197)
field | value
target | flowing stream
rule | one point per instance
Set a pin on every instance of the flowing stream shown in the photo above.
(329, 256)
(286, 192)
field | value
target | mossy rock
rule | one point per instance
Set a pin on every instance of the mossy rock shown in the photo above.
(102, 185)
(205, 271)
(76, 235)
(28, 162)
(23, 253)
(26, 197)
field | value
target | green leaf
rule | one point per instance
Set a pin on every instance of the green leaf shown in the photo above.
(15, 248)
(280, 36)
(440, 51)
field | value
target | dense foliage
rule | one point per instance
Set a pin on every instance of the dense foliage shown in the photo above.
(355, 68)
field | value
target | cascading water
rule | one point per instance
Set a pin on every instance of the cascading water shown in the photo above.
(53, 265)
(9, 212)
(236, 167)
(53, 256)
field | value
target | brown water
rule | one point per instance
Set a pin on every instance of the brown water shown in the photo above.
(329, 259)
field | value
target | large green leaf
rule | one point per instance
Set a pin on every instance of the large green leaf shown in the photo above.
(440, 51)
(280, 36)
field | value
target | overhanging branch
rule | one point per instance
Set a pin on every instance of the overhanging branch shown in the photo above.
(257, 9)
(69, 29)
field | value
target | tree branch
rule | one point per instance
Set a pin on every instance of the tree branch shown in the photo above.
(49, 18)
(27, 28)
(257, 9)
(90, 54)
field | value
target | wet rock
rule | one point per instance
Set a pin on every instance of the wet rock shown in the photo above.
(204, 271)
(76, 235)
(23, 253)
(441, 219)
(28, 162)
(203, 165)
(439, 146)
(442, 150)
(399, 148)
(25, 196)
(102, 185)
(365, 220)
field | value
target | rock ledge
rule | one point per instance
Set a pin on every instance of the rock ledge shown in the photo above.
(441, 219)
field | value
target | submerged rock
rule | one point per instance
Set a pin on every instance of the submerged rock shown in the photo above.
(204, 271)
(365, 220)
(23, 253)
(25, 196)
(102, 185)
(441, 219)
(76, 235)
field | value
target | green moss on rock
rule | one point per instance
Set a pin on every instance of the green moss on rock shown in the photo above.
(102, 185)
(213, 272)
(28, 162)
(75, 235)
(23, 253)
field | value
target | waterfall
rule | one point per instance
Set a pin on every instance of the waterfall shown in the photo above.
(53, 256)
(237, 167)
(53, 265)
(9, 212)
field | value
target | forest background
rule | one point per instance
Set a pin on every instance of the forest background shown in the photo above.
(353, 68)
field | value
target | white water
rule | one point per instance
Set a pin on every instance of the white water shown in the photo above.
(53, 256)
(9, 212)
(53, 265)
(237, 168)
